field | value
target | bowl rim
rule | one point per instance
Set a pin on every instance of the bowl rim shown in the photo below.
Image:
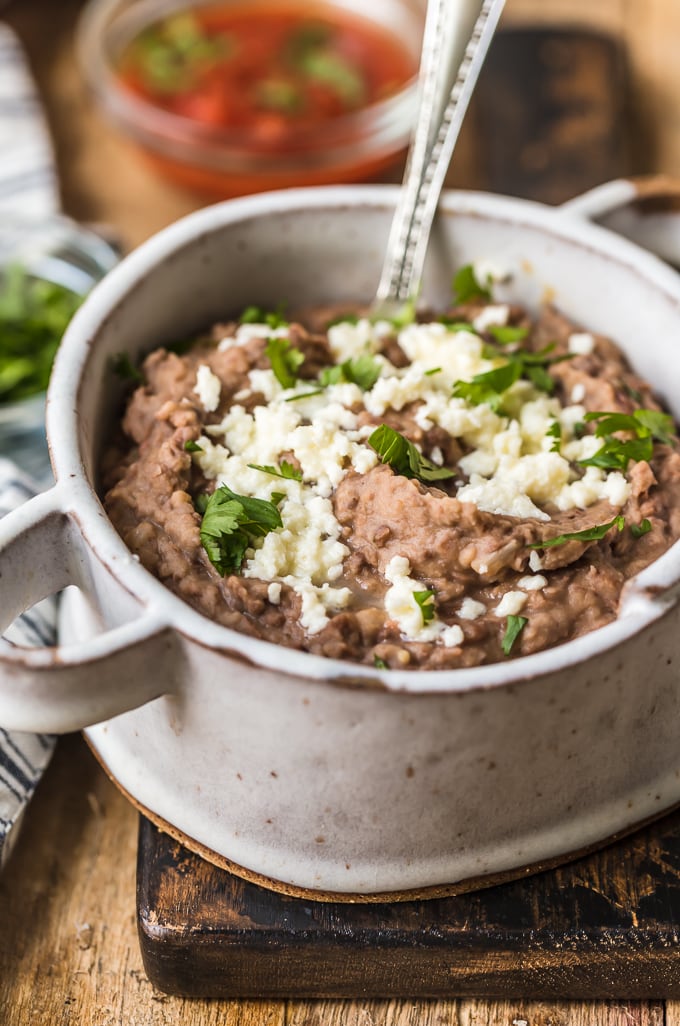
(650, 599)
(371, 131)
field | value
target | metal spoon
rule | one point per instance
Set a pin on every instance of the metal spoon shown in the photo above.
(456, 40)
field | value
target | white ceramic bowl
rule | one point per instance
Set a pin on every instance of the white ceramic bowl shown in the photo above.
(308, 774)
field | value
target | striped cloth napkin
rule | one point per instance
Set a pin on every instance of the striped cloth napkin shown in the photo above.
(28, 186)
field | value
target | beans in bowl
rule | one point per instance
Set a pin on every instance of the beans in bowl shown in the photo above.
(434, 492)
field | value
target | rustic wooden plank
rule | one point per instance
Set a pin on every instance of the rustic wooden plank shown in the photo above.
(68, 945)
(605, 925)
(477, 1013)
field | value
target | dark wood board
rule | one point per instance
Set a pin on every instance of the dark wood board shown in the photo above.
(553, 112)
(603, 926)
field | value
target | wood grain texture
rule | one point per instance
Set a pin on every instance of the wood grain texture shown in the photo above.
(601, 926)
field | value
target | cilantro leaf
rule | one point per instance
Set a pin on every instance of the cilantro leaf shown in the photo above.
(401, 454)
(616, 455)
(515, 626)
(645, 425)
(285, 360)
(256, 315)
(589, 534)
(425, 600)
(229, 524)
(191, 446)
(277, 497)
(555, 431)
(642, 423)
(489, 386)
(286, 470)
(466, 286)
(360, 370)
(456, 325)
(123, 366)
(507, 334)
(644, 527)
(304, 395)
(379, 663)
(431, 371)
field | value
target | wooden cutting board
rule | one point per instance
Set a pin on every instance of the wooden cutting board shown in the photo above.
(604, 926)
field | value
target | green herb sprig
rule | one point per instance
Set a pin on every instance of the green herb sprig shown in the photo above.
(466, 286)
(229, 525)
(401, 454)
(425, 601)
(645, 425)
(514, 627)
(285, 360)
(285, 470)
(362, 370)
(34, 314)
(587, 535)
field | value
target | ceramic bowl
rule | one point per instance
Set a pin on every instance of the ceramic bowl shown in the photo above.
(306, 774)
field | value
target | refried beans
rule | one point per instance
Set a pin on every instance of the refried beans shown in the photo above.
(454, 490)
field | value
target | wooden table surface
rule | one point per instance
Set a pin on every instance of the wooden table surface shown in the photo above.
(68, 944)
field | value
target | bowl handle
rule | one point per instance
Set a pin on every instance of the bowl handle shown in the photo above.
(67, 687)
(621, 192)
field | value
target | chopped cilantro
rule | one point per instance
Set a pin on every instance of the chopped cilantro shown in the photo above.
(425, 600)
(455, 325)
(285, 470)
(191, 446)
(285, 360)
(277, 497)
(644, 527)
(466, 287)
(379, 663)
(515, 626)
(256, 315)
(433, 370)
(360, 370)
(507, 334)
(555, 431)
(401, 454)
(489, 386)
(589, 534)
(645, 425)
(347, 318)
(229, 524)
(304, 395)
(123, 366)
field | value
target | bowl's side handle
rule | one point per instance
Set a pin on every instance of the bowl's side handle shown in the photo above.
(65, 688)
(621, 192)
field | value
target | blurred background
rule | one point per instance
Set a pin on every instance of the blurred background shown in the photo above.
(573, 93)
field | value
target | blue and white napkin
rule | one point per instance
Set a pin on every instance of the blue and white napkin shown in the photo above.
(28, 187)
(23, 757)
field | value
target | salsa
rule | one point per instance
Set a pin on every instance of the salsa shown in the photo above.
(269, 73)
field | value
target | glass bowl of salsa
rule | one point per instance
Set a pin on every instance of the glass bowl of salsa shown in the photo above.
(230, 97)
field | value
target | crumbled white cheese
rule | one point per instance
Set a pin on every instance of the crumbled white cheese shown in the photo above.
(274, 593)
(491, 316)
(535, 561)
(581, 343)
(578, 392)
(487, 272)
(402, 607)
(511, 604)
(470, 609)
(534, 582)
(208, 388)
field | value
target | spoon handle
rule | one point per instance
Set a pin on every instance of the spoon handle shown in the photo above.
(456, 39)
